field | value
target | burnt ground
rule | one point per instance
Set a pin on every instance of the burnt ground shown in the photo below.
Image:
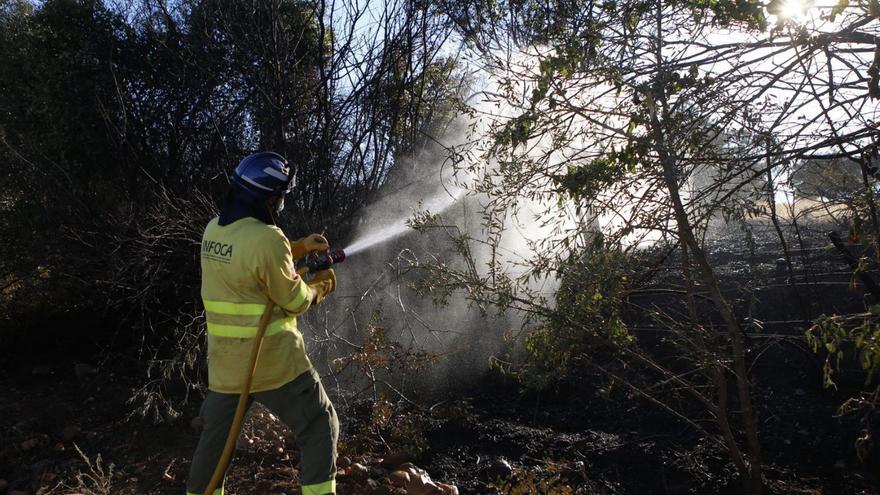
(577, 437)
(487, 436)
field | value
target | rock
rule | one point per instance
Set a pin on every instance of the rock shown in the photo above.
(412, 469)
(448, 489)
(38, 467)
(358, 471)
(29, 444)
(82, 370)
(3, 485)
(196, 424)
(343, 462)
(781, 266)
(421, 484)
(429, 488)
(18, 492)
(40, 370)
(372, 485)
(70, 432)
(399, 478)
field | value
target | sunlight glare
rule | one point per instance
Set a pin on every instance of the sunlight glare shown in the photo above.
(793, 9)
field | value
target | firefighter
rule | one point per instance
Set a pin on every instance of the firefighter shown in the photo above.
(246, 261)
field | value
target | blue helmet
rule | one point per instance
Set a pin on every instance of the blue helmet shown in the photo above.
(263, 175)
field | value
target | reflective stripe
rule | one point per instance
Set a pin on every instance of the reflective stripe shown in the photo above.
(275, 173)
(231, 308)
(249, 332)
(254, 183)
(320, 488)
(239, 321)
(299, 299)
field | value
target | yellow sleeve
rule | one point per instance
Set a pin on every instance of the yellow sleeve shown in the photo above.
(276, 272)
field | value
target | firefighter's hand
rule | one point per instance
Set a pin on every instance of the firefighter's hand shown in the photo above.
(323, 283)
(308, 244)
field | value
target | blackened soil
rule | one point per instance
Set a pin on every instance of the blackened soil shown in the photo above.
(593, 442)
(486, 438)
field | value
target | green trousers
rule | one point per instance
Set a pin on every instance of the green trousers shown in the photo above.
(302, 405)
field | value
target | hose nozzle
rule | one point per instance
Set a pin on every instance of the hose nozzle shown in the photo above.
(322, 261)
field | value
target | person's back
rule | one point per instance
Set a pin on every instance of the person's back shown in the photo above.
(242, 264)
(246, 262)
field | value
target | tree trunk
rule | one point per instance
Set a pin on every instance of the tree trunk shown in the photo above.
(753, 483)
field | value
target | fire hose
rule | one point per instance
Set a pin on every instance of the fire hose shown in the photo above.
(314, 262)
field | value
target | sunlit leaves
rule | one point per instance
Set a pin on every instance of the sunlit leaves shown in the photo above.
(838, 9)
(517, 131)
(585, 181)
(587, 316)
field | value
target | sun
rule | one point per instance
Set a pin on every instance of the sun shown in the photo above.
(793, 9)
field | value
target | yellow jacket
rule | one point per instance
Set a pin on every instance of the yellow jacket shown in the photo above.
(244, 264)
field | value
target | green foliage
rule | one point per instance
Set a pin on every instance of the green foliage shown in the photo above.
(516, 132)
(859, 338)
(587, 317)
(587, 180)
(838, 9)
(727, 12)
(833, 335)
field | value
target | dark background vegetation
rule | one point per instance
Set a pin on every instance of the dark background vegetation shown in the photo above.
(120, 123)
(729, 357)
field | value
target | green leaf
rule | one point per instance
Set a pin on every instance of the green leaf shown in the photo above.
(631, 127)
(838, 9)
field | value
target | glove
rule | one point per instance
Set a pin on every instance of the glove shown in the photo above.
(308, 244)
(323, 284)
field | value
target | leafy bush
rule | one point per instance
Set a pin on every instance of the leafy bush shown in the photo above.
(854, 339)
(587, 317)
